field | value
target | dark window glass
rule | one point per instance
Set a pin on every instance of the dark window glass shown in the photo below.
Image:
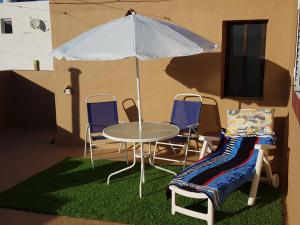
(244, 58)
(6, 26)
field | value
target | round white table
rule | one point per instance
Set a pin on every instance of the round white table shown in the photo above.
(130, 133)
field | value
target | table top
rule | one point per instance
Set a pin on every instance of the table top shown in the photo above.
(151, 132)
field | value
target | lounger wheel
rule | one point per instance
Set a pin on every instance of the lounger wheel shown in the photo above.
(275, 180)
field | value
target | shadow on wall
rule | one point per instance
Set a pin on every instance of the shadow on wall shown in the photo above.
(203, 72)
(209, 123)
(198, 71)
(280, 164)
(5, 103)
(131, 110)
(32, 106)
(74, 75)
(72, 138)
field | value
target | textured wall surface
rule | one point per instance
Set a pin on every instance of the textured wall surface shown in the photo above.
(25, 44)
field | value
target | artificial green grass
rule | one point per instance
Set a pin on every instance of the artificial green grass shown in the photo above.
(72, 188)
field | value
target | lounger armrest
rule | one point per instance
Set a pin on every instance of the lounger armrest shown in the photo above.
(209, 138)
(264, 146)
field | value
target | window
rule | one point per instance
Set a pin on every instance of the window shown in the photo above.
(6, 26)
(244, 58)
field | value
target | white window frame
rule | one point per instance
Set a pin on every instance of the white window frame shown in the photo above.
(297, 56)
(3, 20)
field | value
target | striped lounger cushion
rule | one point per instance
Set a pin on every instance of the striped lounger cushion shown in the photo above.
(224, 170)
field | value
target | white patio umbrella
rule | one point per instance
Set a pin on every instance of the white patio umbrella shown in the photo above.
(133, 36)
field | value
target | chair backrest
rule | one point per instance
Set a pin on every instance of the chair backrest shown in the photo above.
(186, 113)
(101, 114)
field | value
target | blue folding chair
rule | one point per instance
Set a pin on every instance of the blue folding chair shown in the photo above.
(100, 115)
(185, 115)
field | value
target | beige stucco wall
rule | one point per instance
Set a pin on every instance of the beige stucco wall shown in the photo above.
(293, 198)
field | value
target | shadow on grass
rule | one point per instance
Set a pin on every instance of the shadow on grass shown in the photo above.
(73, 188)
(65, 175)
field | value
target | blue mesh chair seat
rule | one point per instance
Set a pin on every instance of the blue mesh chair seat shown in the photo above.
(101, 114)
(98, 137)
(185, 115)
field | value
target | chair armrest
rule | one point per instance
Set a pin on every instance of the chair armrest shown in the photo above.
(208, 138)
(264, 146)
(193, 125)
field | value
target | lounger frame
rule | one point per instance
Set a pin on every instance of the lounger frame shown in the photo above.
(262, 161)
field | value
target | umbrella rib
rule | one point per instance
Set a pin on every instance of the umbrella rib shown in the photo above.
(182, 54)
(154, 34)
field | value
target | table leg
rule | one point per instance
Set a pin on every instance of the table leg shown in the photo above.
(142, 178)
(160, 168)
(126, 168)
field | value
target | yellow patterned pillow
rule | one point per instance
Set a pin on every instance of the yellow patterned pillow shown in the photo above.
(249, 122)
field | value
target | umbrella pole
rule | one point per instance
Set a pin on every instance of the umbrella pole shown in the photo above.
(138, 91)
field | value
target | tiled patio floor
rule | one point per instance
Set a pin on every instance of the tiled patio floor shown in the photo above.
(24, 153)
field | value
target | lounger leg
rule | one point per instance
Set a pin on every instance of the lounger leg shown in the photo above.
(210, 212)
(208, 217)
(173, 202)
(255, 181)
(203, 150)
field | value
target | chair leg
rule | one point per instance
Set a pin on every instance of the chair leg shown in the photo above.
(197, 147)
(91, 154)
(120, 146)
(203, 149)
(154, 153)
(172, 147)
(149, 148)
(126, 149)
(185, 154)
(85, 141)
(91, 147)
(255, 181)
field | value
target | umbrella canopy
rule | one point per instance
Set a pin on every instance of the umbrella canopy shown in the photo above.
(133, 36)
